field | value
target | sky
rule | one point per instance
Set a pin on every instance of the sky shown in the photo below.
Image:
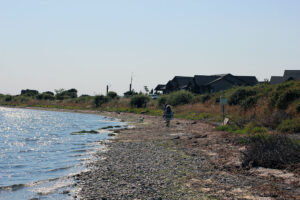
(88, 44)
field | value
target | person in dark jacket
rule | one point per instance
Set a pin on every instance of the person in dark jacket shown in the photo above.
(168, 115)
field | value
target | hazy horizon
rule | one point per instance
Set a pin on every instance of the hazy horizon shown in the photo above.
(47, 45)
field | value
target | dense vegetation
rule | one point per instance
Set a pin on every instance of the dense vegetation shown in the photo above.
(255, 109)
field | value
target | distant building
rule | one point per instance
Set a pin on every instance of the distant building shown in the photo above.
(178, 83)
(276, 80)
(287, 76)
(201, 83)
(160, 88)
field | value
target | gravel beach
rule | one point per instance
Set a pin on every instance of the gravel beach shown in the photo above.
(189, 160)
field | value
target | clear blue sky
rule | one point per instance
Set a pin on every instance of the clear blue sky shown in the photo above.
(86, 44)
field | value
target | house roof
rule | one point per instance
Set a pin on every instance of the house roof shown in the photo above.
(204, 80)
(251, 80)
(294, 74)
(182, 80)
(160, 87)
(276, 79)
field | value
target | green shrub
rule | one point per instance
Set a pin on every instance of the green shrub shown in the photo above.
(255, 128)
(29, 92)
(231, 129)
(66, 94)
(240, 95)
(139, 101)
(8, 98)
(100, 99)
(180, 98)
(271, 151)
(289, 126)
(112, 95)
(46, 96)
(201, 98)
(49, 93)
(249, 102)
(287, 97)
(162, 100)
(130, 93)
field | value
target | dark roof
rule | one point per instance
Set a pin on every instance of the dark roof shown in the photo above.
(204, 80)
(182, 80)
(251, 80)
(294, 74)
(276, 79)
(160, 87)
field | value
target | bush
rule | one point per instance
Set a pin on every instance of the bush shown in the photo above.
(201, 98)
(48, 93)
(162, 100)
(240, 95)
(112, 95)
(8, 98)
(139, 101)
(249, 102)
(100, 99)
(180, 98)
(287, 97)
(46, 96)
(255, 128)
(130, 93)
(289, 126)
(274, 151)
(29, 92)
(66, 94)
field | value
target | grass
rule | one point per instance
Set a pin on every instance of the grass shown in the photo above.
(289, 126)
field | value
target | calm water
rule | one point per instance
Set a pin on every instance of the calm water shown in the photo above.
(38, 153)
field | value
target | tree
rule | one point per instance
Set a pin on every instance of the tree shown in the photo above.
(112, 95)
(100, 99)
(29, 92)
(146, 89)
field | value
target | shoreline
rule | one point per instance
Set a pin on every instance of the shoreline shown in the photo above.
(189, 160)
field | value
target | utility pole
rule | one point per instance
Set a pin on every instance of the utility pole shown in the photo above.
(130, 86)
(107, 89)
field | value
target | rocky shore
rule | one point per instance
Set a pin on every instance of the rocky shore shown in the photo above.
(189, 160)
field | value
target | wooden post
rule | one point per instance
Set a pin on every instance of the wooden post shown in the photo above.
(223, 102)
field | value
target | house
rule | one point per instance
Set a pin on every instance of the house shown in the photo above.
(160, 88)
(178, 83)
(215, 83)
(202, 83)
(276, 80)
(291, 75)
(287, 76)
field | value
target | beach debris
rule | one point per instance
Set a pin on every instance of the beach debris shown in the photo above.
(107, 127)
(141, 120)
(84, 131)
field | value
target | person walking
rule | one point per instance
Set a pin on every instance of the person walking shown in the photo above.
(168, 115)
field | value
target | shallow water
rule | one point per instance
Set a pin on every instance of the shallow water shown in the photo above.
(38, 153)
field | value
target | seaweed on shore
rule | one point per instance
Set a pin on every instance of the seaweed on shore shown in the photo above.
(84, 131)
